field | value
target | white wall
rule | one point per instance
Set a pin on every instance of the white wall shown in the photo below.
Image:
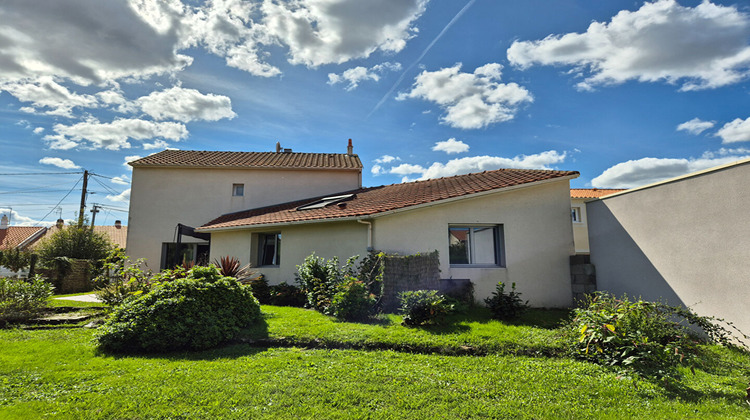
(686, 242)
(580, 229)
(162, 197)
(538, 240)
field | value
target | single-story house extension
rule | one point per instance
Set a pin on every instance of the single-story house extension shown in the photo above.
(578, 198)
(507, 225)
(685, 241)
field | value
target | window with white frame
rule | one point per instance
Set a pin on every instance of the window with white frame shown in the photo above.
(476, 245)
(269, 249)
(238, 190)
(575, 213)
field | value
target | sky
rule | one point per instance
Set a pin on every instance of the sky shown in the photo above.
(625, 92)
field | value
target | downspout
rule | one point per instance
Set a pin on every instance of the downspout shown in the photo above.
(369, 233)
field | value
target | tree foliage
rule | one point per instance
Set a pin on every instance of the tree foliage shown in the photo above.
(74, 242)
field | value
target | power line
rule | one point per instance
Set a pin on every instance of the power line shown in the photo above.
(109, 189)
(58, 203)
(42, 173)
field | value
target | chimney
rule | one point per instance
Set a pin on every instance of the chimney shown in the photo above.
(350, 148)
(118, 224)
(60, 223)
(278, 147)
(4, 222)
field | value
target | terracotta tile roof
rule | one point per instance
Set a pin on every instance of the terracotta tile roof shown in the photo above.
(16, 235)
(117, 236)
(374, 200)
(207, 159)
(592, 192)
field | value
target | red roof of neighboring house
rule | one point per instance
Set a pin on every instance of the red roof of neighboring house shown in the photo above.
(117, 235)
(280, 160)
(14, 236)
(592, 192)
(374, 200)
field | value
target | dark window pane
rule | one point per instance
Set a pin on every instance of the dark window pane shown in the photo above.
(458, 245)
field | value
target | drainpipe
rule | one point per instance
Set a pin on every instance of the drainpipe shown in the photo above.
(369, 233)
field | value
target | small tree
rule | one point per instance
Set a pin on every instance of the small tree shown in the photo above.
(73, 242)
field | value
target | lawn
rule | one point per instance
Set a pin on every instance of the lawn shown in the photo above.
(348, 372)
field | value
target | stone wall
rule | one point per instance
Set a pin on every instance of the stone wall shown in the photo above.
(411, 272)
(582, 277)
(77, 280)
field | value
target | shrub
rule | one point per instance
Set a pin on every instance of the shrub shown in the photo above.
(287, 295)
(21, 300)
(261, 289)
(15, 259)
(422, 307)
(230, 267)
(122, 279)
(319, 279)
(353, 301)
(200, 311)
(647, 337)
(505, 306)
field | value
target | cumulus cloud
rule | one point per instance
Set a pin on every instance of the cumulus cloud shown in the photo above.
(335, 31)
(377, 170)
(186, 105)
(112, 135)
(48, 97)
(735, 131)
(157, 144)
(387, 159)
(123, 197)
(60, 163)
(406, 169)
(451, 146)
(129, 159)
(17, 219)
(696, 126)
(121, 180)
(355, 75)
(470, 100)
(543, 160)
(635, 173)
(39, 130)
(701, 47)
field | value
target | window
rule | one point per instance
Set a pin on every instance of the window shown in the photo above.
(325, 201)
(174, 254)
(269, 249)
(575, 213)
(476, 245)
(238, 190)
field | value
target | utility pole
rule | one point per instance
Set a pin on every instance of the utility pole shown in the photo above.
(83, 199)
(94, 209)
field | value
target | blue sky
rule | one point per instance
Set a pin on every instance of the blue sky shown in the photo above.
(625, 92)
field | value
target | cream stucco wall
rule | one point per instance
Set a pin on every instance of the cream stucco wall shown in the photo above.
(686, 242)
(580, 229)
(538, 239)
(327, 240)
(162, 197)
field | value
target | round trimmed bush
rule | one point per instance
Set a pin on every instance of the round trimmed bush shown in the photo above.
(190, 313)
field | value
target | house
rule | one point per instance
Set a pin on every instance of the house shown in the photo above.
(578, 198)
(508, 225)
(174, 191)
(117, 233)
(20, 237)
(685, 241)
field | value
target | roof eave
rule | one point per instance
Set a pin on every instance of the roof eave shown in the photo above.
(376, 215)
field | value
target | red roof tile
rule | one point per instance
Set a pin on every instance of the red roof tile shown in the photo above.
(117, 235)
(374, 200)
(16, 235)
(592, 192)
(207, 159)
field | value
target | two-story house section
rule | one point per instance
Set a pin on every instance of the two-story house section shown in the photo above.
(578, 199)
(175, 190)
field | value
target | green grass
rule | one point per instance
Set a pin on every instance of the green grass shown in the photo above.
(73, 303)
(59, 374)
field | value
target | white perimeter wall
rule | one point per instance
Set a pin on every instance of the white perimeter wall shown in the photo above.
(162, 197)
(686, 242)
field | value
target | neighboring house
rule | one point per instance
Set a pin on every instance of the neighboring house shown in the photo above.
(578, 198)
(20, 237)
(685, 241)
(508, 225)
(174, 191)
(117, 233)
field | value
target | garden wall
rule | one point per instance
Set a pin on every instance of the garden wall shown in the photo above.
(77, 280)
(411, 272)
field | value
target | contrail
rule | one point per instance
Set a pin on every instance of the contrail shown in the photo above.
(421, 56)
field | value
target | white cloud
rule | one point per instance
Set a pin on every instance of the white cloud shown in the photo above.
(47, 96)
(387, 159)
(186, 105)
(543, 160)
(129, 159)
(158, 144)
(60, 163)
(89, 41)
(695, 126)
(121, 180)
(113, 135)
(470, 100)
(451, 146)
(735, 131)
(335, 31)
(377, 170)
(39, 130)
(406, 169)
(123, 197)
(358, 74)
(635, 173)
(17, 219)
(701, 47)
